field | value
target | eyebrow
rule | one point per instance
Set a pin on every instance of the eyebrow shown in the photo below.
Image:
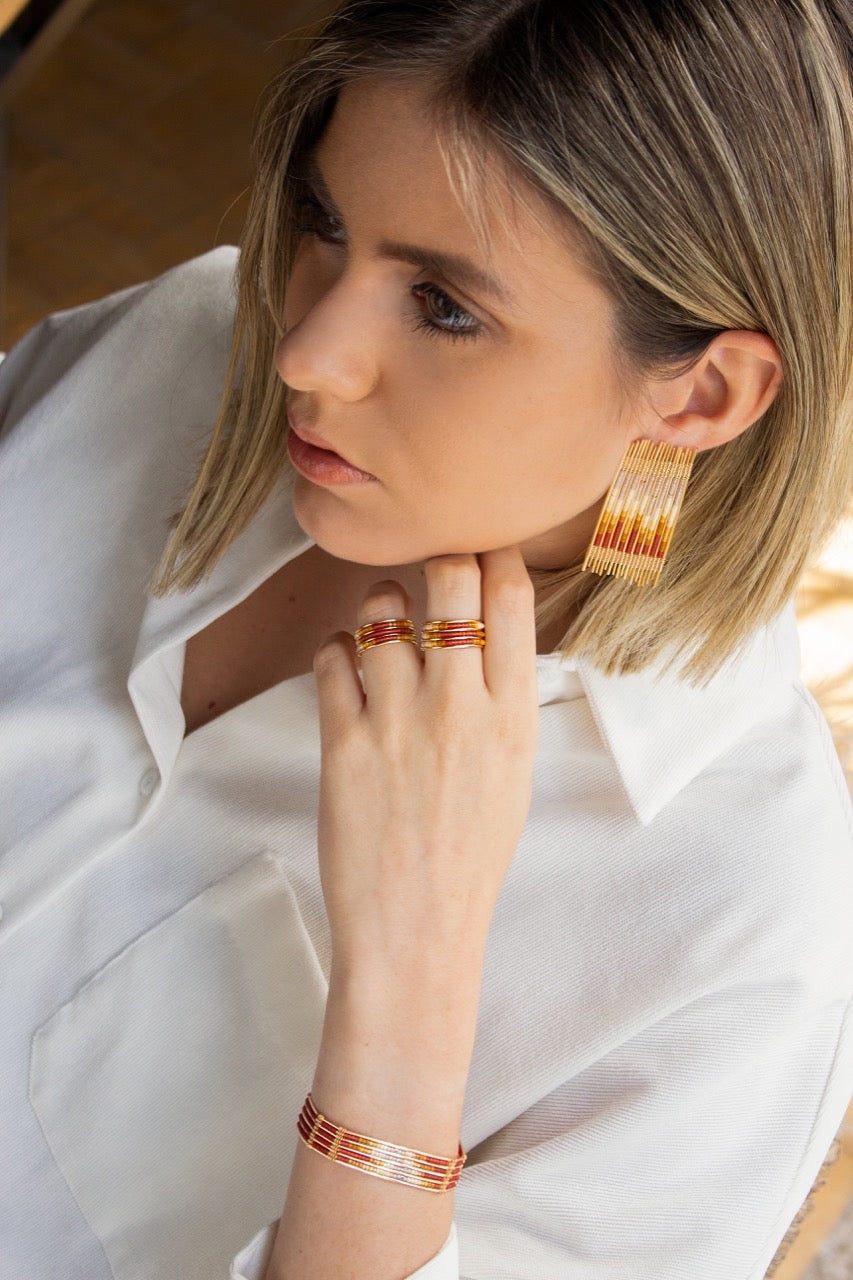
(453, 266)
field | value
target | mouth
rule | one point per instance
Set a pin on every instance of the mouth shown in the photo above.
(314, 459)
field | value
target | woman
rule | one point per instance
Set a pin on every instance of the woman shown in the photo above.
(567, 885)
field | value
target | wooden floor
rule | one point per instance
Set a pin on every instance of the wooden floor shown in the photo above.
(128, 147)
(128, 154)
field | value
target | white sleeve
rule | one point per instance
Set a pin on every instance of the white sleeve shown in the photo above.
(684, 1152)
(251, 1262)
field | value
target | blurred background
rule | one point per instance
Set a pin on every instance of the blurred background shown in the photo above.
(127, 137)
(124, 135)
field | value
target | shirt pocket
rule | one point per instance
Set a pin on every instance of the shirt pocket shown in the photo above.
(168, 1087)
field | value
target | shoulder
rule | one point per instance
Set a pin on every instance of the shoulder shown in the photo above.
(118, 397)
(768, 830)
(105, 412)
(761, 838)
(129, 343)
(721, 812)
(744, 759)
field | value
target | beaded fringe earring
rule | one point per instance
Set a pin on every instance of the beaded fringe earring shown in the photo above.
(636, 523)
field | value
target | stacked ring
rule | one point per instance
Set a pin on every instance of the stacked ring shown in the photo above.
(456, 633)
(388, 631)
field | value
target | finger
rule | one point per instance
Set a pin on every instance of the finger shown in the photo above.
(509, 658)
(453, 592)
(340, 697)
(390, 667)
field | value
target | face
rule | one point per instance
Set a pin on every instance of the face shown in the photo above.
(445, 395)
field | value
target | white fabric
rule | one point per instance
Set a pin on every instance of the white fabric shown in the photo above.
(663, 1052)
(252, 1261)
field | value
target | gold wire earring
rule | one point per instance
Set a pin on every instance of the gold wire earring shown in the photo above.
(636, 523)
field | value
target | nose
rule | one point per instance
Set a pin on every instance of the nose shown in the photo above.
(328, 348)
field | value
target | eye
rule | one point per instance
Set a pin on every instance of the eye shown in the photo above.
(440, 315)
(314, 220)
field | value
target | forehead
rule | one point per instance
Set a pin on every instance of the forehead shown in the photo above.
(386, 127)
(391, 171)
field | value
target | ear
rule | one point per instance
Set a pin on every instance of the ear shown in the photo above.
(730, 387)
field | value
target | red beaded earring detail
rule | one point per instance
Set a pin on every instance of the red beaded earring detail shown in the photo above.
(637, 520)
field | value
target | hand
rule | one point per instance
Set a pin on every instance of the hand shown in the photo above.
(425, 786)
(426, 774)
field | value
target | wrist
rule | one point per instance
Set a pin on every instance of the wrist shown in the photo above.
(422, 1018)
(396, 1062)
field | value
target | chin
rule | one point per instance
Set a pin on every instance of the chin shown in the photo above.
(347, 534)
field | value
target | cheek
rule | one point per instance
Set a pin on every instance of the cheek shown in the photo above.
(556, 451)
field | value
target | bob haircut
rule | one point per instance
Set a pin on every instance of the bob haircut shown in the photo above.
(701, 154)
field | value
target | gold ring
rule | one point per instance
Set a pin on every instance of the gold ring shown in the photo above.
(387, 631)
(455, 633)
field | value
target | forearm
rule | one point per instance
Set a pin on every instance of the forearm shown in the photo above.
(424, 789)
(393, 1064)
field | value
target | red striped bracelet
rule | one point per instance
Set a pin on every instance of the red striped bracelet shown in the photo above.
(380, 1159)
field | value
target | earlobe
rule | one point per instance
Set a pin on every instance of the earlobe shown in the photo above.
(734, 382)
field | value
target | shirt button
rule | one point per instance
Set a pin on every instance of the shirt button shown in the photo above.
(148, 781)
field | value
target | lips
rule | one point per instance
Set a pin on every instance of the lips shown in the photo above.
(307, 434)
(310, 436)
(314, 458)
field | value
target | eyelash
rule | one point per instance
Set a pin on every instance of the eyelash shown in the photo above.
(468, 328)
(312, 216)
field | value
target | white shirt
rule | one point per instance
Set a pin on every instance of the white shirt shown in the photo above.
(663, 1051)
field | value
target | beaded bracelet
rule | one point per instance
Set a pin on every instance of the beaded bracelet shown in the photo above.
(380, 1159)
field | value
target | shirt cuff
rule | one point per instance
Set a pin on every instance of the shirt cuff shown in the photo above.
(251, 1262)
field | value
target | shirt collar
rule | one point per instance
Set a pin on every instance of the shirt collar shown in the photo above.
(269, 540)
(660, 731)
(663, 732)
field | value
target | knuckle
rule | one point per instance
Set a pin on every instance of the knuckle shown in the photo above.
(507, 729)
(516, 733)
(342, 748)
(383, 599)
(513, 591)
(453, 575)
(391, 742)
(328, 654)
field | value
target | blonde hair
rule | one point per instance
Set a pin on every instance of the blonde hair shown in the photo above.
(702, 151)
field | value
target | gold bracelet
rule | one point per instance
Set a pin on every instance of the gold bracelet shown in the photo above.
(380, 1159)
